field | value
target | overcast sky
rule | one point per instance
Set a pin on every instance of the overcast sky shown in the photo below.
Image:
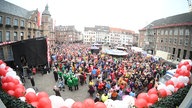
(127, 14)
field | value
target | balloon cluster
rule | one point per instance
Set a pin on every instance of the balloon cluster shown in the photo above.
(180, 79)
(12, 85)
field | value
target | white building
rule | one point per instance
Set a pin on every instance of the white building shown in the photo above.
(107, 35)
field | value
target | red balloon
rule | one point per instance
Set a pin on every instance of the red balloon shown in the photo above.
(77, 105)
(176, 75)
(11, 86)
(9, 79)
(11, 92)
(15, 81)
(143, 96)
(100, 105)
(1, 62)
(188, 67)
(176, 89)
(162, 93)
(5, 86)
(3, 80)
(31, 97)
(141, 103)
(153, 98)
(89, 103)
(186, 73)
(19, 92)
(180, 85)
(178, 70)
(152, 91)
(20, 86)
(180, 65)
(41, 95)
(185, 63)
(44, 102)
(3, 72)
(34, 104)
(169, 82)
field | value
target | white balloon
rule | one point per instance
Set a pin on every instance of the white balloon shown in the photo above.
(186, 80)
(69, 102)
(22, 99)
(11, 73)
(161, 86)
(175, 80)
(181, 79)
(3, 65)
(30, 90)
(129, 100)
(183, 67)
(109, 103)
(120, 104)
(9, 69)
(171, 88)
(56, 101)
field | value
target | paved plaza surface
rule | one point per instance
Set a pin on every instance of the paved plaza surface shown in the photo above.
(46, 83)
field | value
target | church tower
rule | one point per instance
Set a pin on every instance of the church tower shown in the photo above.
(47, 25)
(46, 19)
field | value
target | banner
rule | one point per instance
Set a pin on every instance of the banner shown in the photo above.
(38, 19)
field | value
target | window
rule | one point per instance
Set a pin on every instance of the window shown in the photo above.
(186, 42)
(1, 40)
(22, 23)
(166, 32)
(29, 25)
(16, 22)
(15, 36)
(171, 32)
(170, 40)
(10, 54)
(191, 43)
(8, 21)
(22, 35)
(175, 41)
(166, 40)
(176, 31)
(158, 32)
(8, 37)
(181, 42)
(161, 40)
(186, 31)
(1, 19)
(162, 32)
(1, 54)
(180, 32)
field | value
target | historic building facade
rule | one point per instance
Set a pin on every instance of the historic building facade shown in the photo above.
(108, 35)
(17, 23)
(67, 34)
(172, 35)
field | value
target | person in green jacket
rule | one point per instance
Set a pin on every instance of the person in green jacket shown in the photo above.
(66, 77)
(60, 74)
(75, 82)
(70, 84)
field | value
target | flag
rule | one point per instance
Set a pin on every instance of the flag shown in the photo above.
(38, 19)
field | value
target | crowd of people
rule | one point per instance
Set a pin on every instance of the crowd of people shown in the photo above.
(106, 76)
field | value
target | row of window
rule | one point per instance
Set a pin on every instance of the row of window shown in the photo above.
(8, 21)
(176, 41)
(173, 31)
(8, 36)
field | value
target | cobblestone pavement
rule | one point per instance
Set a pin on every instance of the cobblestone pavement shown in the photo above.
(46, 83)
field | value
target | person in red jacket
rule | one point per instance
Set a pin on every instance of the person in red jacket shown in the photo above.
(100, 87)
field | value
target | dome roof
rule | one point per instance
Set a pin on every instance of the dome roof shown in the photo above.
(46, 11)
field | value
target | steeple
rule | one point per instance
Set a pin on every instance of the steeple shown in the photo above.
(46, 11)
